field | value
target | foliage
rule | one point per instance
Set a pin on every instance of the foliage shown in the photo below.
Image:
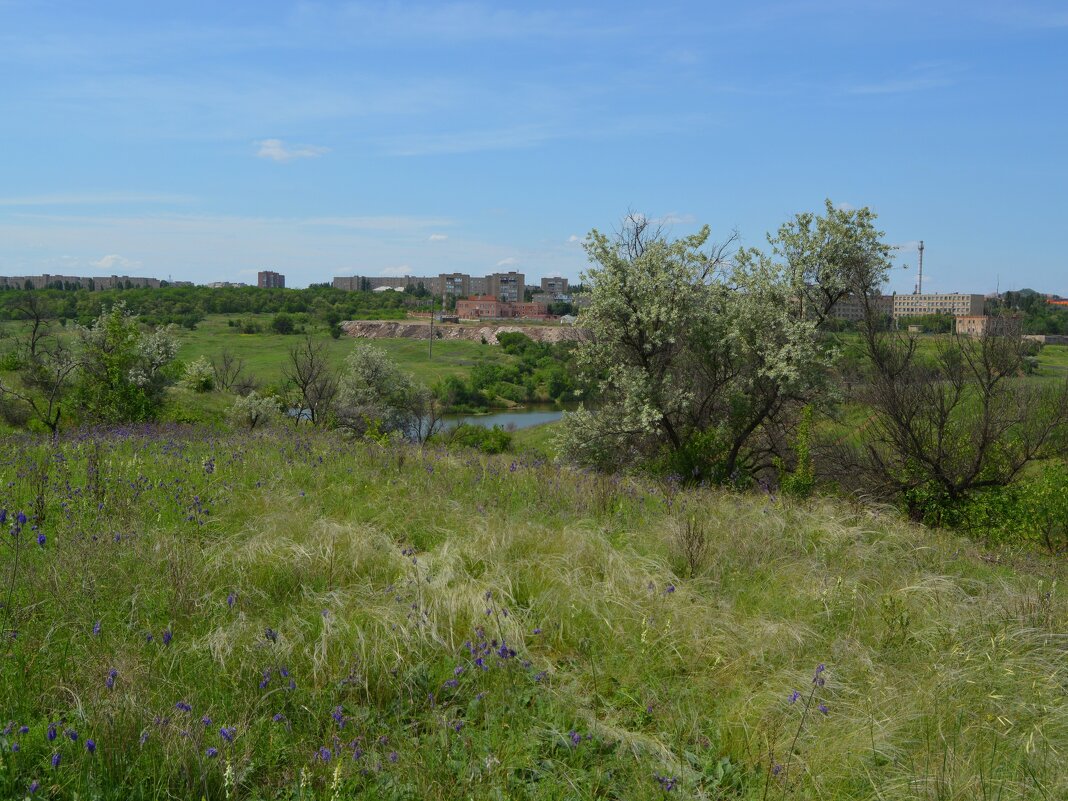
(254, 410)
(372, 389)
(703, 366)
(199, 375)
(282, 324)
(122, 369)
(946, 428)
(929, 323)
(1032, 511)
(487, 440)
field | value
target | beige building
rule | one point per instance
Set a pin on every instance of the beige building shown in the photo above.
(953, 303)
(851, 307)
(981, 325)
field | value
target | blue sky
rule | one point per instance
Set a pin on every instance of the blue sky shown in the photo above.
(205, 141)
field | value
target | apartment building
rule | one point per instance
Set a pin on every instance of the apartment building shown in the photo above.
(268, 279)
(554, 286)
(93, 282)
(488, 307)
(506, 286)
(851, 307)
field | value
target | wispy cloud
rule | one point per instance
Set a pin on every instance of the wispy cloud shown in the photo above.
(114, 261)
(397, 271)
(675, 218)
(919, 78)
(437, 237)
(95, 199)
(574, 238)
(508, 262)
(382, 223)
(277, 150)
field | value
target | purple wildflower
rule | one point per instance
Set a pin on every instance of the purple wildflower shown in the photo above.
(34, 786)
(323, 754)
(90, 746)
(667, 783)
(73, 735)
(793, 697)
(56, 759)
(206, 721)
(227, 733)
(24, 729)
(270, 634)
(279, 718)
(823, 708)
(109, 682)
(338, 715)
(231, 599)
(41, 540)
(575, 737)
(183, 707)
(167, 637)
(211, 752)
(393, 757)
(96, 629)
(51, 733)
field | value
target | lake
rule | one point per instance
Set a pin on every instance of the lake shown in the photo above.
(511, 419)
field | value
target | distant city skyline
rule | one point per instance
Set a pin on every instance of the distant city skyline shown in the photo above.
(385, 138)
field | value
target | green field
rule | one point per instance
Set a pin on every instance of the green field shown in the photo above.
(265, 354)
(289, 615)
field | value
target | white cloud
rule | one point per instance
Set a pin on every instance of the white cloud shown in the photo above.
(508, 262)
(845, 207)
(674, 218)
(399, 270)
(437, 237)
(573, 238)
(277, 150)
(114, 261)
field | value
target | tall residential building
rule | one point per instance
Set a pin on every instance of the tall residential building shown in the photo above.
(554, 285)
(268, 279)
(506, 286)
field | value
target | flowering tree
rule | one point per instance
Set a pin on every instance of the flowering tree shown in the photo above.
(703, 363)
(122, 372)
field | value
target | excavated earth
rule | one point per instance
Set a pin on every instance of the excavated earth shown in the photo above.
(371, 329)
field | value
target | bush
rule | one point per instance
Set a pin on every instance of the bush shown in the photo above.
(254, 410)
(487, 440)
(199, 375)
(282, 324)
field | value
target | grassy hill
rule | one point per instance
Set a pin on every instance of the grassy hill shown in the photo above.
(288, 615)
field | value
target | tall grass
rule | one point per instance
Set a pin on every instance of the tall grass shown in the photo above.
(408, 624)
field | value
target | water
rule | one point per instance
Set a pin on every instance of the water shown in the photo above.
(509, 420)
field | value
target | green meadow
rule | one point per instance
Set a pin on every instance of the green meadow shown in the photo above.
(288, 615)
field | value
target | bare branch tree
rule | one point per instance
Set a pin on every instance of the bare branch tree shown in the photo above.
(46, 380)
(949, 425)
(309, 371)
(227, 368)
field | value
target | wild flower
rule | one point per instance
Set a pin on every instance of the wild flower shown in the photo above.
(393, 757)
(227, 733)
(109, 682)
(96, 629)
(90, 746)
(211, 752)
(823, 708)
(231, 599)
(279, 718)
(793, 697)
(41, 540)
(15, 748)
(206, 721)
(575, 737)
(667, 783)
(51, 732)
(144, 737)
(73, 735)
(270, 634)
(167, 637)
(338, 715)
(56, 759)
(182, 706)
(24, 729)
(323, 754)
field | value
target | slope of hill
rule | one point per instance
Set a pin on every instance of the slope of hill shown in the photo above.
(292, 616)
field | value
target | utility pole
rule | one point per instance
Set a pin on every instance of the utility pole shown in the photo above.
(431, 349)
(919, 272)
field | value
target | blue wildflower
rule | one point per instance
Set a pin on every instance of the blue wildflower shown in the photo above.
(34, 786)
(323, 754)
(167, 637)
(56, 759)
(51, 733)
(575, 737)
(823, 708)
(183, 706)
(227, 733)
(211, 752)
(96, 629)
(109, 682)
(73, 735)
(41, 540)
(90, 746)
(794, 696)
